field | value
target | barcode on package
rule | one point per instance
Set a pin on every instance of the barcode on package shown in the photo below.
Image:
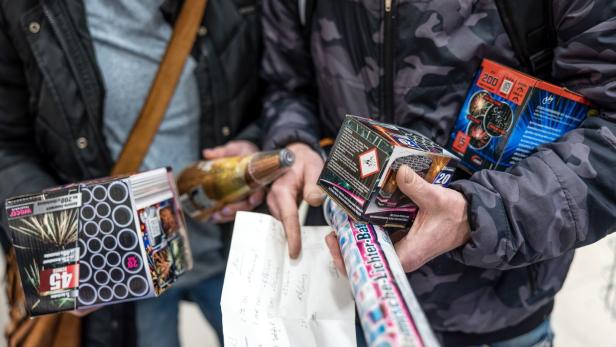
(506, 87)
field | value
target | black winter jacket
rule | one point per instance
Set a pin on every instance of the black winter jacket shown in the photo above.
(51, 100)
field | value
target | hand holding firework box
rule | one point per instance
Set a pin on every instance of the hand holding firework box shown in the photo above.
(388, 310)
(508, 114)
(360, 173)
(99, 242)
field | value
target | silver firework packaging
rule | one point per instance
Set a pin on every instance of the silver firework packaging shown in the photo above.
(99, 242)
(360, 173)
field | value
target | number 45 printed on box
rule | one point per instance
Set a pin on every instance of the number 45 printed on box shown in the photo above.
(59, 279)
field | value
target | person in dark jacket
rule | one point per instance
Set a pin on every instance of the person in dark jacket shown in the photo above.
(487, 256)
(73, 77)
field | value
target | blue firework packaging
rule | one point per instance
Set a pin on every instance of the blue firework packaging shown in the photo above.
(507, 115)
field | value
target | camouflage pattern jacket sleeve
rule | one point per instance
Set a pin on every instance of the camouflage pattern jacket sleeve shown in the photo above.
(563, 196)
(290, 111)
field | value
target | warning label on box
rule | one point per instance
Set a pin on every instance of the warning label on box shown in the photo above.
(369, 163)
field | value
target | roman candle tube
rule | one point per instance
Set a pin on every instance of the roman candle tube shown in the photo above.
(388, 310)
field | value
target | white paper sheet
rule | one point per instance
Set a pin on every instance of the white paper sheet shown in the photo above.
(270, 300)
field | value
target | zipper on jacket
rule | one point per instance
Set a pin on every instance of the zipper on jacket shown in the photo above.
(388, 64)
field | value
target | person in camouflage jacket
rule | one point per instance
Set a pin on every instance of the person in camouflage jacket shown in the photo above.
(516, 231)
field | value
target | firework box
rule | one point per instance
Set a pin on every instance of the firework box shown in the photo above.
(507, 115)
(99, 242)
(360, 173)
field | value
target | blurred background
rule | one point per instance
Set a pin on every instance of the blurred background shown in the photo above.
(585, 312)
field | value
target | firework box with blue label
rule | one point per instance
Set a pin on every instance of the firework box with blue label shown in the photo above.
(99, 242)
(360, 173)
(507, 115)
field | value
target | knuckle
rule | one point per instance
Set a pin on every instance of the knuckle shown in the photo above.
(271, 203)
(277, 189)
(438, 199)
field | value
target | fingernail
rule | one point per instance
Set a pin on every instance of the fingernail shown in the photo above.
(293, 253)
(316, 196)
(227, 211)
(253, 200)
(407, 174)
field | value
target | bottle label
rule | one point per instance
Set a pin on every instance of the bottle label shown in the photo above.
(195, 201)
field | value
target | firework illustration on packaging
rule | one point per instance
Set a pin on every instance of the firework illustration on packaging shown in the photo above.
(508, 114)
(87, 244)
(388, 310)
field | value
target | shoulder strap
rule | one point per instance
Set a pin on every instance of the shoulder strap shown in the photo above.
(163, 87)
(531, 30)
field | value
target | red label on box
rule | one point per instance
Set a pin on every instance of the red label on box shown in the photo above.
(460, 144)
(505, 82)
(59, 279)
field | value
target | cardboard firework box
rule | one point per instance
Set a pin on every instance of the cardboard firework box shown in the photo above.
(99, 242)
(507, 115)
(360, 173)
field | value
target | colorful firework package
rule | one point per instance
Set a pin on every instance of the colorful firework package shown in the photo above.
(388, 310)
(360, 173)
(508, 114)
(99, 242)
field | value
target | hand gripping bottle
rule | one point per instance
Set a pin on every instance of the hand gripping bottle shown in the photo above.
(207, 186)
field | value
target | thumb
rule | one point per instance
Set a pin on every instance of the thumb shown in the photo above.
(313, 195)
(415, 187)
(334, 249)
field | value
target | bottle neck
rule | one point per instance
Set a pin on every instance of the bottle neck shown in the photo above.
(264, 168)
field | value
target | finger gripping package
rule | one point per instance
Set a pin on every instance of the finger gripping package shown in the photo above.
(507, 115)
(360, 173)
(99, 242)
(388, 310)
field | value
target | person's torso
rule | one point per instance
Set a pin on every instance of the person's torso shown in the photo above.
(434, 50)
(67, 90)
(130, 39)
(410, 65)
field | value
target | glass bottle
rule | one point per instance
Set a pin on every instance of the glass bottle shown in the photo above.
(207, 186)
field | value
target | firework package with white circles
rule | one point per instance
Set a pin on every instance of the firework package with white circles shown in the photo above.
(99, 242)
(507, 115)
(360, 173)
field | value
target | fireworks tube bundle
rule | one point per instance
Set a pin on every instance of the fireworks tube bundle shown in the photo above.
(388, 310)
(99, 242)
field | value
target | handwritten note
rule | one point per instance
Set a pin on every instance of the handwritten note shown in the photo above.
(270, 300)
